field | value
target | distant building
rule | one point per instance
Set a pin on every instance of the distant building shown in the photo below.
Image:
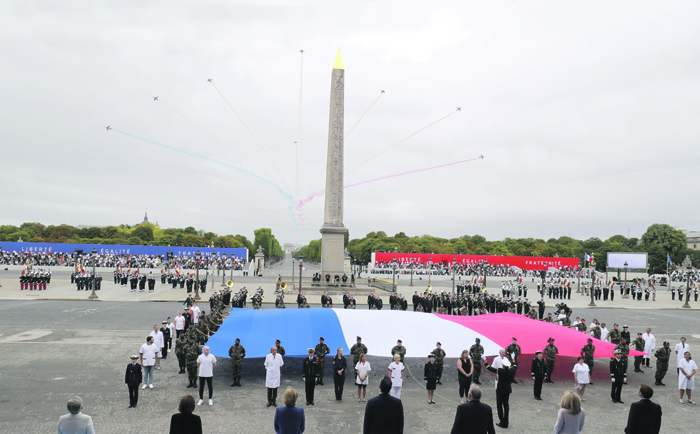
(145, 218)
(693, 240)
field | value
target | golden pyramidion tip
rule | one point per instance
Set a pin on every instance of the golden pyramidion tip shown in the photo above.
(338, 61)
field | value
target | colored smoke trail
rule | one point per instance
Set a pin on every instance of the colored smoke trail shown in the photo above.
(363, 114)
(244, 172)
(402, 140)
(296, 143)
(251, 133)
(313, 196)
(212, 134)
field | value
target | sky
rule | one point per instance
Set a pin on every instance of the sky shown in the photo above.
(586, 114)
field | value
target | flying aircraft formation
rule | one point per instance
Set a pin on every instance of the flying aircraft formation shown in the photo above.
(459, 109)
(108, 127)
(155, 98)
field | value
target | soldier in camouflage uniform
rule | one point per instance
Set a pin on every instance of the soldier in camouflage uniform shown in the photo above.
(320, 351)
(662, 356)
(475, 352)
(625, 352)
(399, 349)
(236, 353)
(513, 351)
(639, 346)
(587, 352)
(615, 335)
(439, 360)
(358, 349)
(180, 353)
(280, 348)
(192, 351)
(550, 353)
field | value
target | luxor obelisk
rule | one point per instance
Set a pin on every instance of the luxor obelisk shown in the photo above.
(333, 230)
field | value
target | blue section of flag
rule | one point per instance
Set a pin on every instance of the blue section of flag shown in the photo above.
(588, 258)
(669, 258)
(298, 329)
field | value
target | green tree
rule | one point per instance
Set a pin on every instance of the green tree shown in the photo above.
(192, 240)
(135, 241)
(144, 231)
(671, 240)
(189, 230)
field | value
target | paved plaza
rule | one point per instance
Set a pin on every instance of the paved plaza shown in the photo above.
(52, 349)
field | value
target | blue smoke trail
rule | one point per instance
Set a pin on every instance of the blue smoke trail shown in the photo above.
(230, 166)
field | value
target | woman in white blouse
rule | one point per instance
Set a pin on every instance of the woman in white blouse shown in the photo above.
(686, 376)
(362, 369)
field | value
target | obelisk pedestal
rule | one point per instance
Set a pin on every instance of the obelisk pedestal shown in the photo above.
(333, 230)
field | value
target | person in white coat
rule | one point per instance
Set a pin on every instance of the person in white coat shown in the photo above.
(686, 377)
(159, 341)
(273, 367)
(649, 344)
(75, 422)
(680, 349)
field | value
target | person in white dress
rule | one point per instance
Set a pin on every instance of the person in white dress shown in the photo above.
(159, 341)
(396, 369)
(681, 348)
(362, 370)
(273, 375)
(686, 376)
(581, 377)
(649, 344)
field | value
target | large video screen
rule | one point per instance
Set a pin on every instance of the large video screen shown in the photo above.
(634, 260)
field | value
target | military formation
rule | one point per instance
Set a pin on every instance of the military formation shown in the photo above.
(34, 279)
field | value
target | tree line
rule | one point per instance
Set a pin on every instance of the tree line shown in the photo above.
(658, 241)
(140, 235)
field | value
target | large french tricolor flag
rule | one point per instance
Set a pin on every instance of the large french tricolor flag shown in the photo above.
(300, 329)
(588, 258)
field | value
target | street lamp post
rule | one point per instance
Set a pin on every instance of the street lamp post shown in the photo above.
(412, 265)
(393, 275)
(293, 272)
(232, 259)
(592, 303)
(624, 288)
(430, 269)
(454, 273)
(301, 264)
(223, 274)
(93, 295)
(197, 258)
(213, 265)
(688, 265)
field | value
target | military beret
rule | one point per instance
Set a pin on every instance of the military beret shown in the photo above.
(399, 341)
(321, 338)
(359, 338)
(438, 343)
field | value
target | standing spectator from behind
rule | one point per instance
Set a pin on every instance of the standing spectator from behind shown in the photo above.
(289, 419)
(686, 377)
(185, 422)
(132, 379)
(571, 416)
(581, 378)
(504, 376)
(474, 417)
(362, 369)
(273, 375)
(645, 416)
(75, 422)
(384, 413)
(396, 369)
(340, 365)
(159, 342)
(465, 370)
(149, 357)
(205, 364)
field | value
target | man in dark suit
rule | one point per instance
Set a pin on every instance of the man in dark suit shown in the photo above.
(617, 375)
(384, 413)
(132, 379)
(504, 377)
(538, 372)
(473, 417)
(645, 416)
(310, 371)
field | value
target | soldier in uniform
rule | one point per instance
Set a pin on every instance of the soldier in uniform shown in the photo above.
(309, 372)
(321, 350)
(192, 351)
(538, 373)
(617, 374)
(236, 353)
(475, 352)
(626, 334)
(587, 352)
(639, 346)
(180, 353)
(624, 354)
(439, 360)
(662, 355)
(513, 350)
(399, 349)
(614, 335)
(550, 353)
(280, 348)
(358, 349)
(151, 282)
